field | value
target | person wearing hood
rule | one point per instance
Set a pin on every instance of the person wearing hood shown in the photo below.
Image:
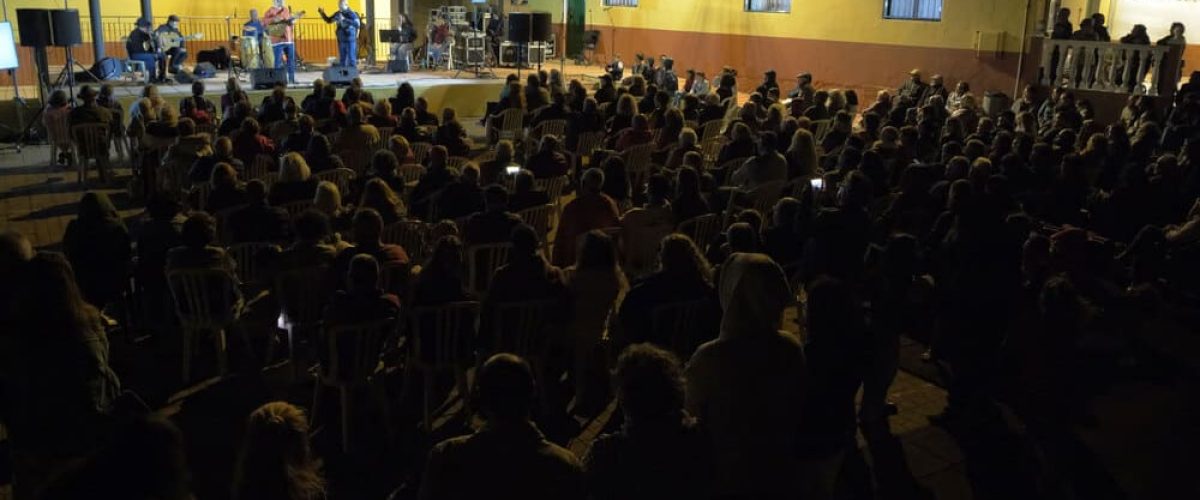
(97, 245)
(748, 384)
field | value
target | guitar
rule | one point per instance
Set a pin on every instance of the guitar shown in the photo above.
(168, 41)
(278, 28)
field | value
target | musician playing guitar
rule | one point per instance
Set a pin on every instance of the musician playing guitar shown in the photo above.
(279, 19)
(173, 57)
(141, 45)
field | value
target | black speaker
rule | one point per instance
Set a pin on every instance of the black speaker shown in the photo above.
(66, 27)
(524, 27)
(184, 76)
(340, 75)
(541, 26)
(108, 68)
(34, 27)
(265, 78)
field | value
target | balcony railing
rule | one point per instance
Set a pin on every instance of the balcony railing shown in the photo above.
(1105, 67)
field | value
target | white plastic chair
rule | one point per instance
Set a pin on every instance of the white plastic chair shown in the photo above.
(483, 261)
(205, 301)
(351, 359)
(450, 329)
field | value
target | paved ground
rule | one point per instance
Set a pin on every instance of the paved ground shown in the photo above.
(1137, 448)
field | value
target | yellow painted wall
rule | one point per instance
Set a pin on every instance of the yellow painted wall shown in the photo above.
(832, 20)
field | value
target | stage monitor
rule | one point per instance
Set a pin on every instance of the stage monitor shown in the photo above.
(8, 47)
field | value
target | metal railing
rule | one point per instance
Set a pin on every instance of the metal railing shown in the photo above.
(1104, 66)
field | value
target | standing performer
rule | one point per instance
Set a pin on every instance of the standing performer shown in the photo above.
(279, 20)
(253, 34)
(175, 55)
(348, 24)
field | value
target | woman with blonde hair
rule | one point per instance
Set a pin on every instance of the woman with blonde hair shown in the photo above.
(802, 158)
(276, 460)
(295, 181)
(328, 201)
(377, 195)
(400, 147)
(381, 115)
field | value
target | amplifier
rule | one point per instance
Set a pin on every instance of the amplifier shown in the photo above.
(476, 41)
(508, 54)
(538, 52)
(475, 56)
(265, 78)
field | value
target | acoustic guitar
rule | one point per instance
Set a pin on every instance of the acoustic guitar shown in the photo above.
(168, 41)
(278, 29)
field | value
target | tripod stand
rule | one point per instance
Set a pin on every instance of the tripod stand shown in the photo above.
(19, 106)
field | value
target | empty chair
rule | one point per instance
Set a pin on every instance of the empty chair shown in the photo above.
(206, 300)
(341, 177)
(442, 339)
(410, 235)
(483, 261)
(712, 128)
(302, 296)
(539, 219)
(247, 257)
(356, 160)
(263, 164)
(420, 150)
(349, 359)
(411, 173)
(512, 124)
(457, 162)
(91, 143)
(553, 187)
(58, 134)
(701, 229)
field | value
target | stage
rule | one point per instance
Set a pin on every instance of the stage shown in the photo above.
(459, 90)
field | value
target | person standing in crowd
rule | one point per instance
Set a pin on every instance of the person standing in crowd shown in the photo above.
(748, 384)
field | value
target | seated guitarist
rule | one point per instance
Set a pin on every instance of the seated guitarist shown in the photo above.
(141, 45)
(174, 56)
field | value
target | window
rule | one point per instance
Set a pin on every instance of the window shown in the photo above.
(922, 10)
(620, 3)
(768, 5)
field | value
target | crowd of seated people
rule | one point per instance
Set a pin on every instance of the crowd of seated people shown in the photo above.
(996, 240)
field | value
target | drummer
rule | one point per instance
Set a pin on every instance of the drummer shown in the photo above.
(253, 34)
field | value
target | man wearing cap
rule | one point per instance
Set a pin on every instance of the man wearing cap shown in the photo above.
(348, 23)
(804, 88)
(173, 57)
(936, 87)
(142, 46)
(912, 88)
(90, 112)
(768, 83)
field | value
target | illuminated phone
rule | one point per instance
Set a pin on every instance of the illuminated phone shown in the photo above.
(817, 184)
(512, 170)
